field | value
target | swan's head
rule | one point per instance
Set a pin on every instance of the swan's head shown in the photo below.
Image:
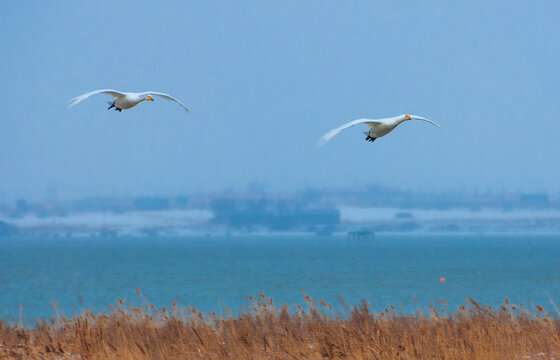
(149, 98)
(402, 118)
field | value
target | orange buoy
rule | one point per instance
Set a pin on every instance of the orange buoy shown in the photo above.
(441, 280)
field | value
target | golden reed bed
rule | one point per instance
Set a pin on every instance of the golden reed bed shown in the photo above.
(265, 331)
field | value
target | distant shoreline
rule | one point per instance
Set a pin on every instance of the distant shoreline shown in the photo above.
(308, 235)
(198, 222)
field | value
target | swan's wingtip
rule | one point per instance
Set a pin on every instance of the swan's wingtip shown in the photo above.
(186, 108)
(320, 142)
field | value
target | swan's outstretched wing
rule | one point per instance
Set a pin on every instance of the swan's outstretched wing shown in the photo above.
(416, 117)
(329, 135)
(82, 97)
(165, 96)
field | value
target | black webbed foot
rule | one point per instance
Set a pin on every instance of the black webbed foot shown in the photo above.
(370, 139)
(112, 106)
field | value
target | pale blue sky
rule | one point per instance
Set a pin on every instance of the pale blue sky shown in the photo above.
(264, 80)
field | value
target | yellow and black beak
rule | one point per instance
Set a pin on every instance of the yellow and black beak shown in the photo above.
(150, 98)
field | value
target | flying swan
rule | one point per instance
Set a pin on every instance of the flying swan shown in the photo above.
(377, 127)
(125, 100)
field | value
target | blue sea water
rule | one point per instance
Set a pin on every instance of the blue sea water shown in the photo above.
(212, 272)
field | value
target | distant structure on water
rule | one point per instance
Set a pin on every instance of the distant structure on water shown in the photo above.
(361, 234)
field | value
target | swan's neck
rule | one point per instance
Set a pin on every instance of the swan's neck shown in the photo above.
(400, 120)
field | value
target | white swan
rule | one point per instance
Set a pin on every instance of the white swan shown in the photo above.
(125, 100)
(377, 127)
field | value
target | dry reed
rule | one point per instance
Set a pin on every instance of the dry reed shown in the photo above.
(262, 330)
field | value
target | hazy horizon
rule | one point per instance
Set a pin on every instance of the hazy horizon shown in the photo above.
(264, 80)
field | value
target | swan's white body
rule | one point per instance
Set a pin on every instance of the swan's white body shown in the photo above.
(126, 100)
(377, 127)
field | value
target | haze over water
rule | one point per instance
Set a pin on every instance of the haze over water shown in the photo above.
(212, 272)
(264, 81)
